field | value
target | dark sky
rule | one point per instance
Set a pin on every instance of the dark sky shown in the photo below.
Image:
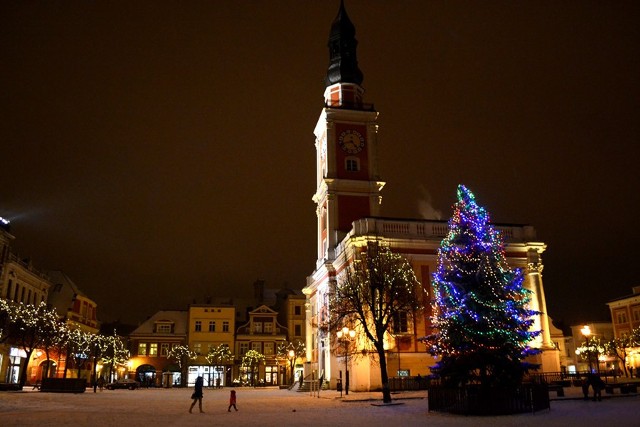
(162, 151)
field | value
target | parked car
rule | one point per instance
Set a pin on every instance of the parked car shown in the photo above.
(130, 384)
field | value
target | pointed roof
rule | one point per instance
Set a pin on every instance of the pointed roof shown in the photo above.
(343, 62)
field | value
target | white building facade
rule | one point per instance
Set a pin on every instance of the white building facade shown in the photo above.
(348, 199)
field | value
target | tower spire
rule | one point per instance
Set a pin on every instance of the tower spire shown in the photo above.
(343, 62)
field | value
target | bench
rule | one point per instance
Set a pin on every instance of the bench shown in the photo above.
(558, 388)
(63, 385)
(625, 388)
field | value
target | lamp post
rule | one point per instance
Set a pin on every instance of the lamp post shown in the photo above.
(345, 335)
(292, 355)
(586, 331)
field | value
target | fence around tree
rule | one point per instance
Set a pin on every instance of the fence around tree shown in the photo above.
(475, 400)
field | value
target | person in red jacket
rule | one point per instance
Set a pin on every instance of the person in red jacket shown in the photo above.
(232, 401)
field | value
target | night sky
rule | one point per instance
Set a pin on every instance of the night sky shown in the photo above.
(160, 152)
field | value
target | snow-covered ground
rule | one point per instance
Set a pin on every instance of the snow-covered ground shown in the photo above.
(273, 407)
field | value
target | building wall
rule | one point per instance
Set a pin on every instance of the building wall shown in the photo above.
(418, 241)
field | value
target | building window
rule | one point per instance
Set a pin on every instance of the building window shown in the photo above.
(197, 348)
(622, 317)
(268, 348)
(257, 327)
(198, 327)
(297, 330)
(352, 164)
(163, 328)
(256, 346)
(244, 347)
(153, 349)
(268, 327)
(225, 326)
(636, 314)
(400, 323)
(164, 349)
(212, 326)
(142, 349)
(297, 310)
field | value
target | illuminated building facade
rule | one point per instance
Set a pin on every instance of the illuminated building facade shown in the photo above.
(625, 317)
(210, 326)
(348, 200)
(150, 344)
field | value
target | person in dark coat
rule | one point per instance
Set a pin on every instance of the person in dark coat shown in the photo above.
(232, 401)
(595, 382)
(197, 394)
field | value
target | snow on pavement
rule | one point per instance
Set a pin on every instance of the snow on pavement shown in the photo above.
(274, 407)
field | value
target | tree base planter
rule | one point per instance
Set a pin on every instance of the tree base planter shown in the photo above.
(476, 400)
(64, 385)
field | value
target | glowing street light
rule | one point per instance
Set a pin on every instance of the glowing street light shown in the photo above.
(346, 335)
(586, 331)
(292, 358)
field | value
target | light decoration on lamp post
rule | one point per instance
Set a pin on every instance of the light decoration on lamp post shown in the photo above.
(586, 331)
(292, 358)
(346, 335)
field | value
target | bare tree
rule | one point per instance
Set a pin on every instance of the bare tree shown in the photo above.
(29, 326)
(251, 360)
(115, 354)
(4, 320)
(378, 289)
(182, 355)
(218, 355)
(619, 347)
(291, 351)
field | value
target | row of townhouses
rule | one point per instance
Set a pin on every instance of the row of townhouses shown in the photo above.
(264, 323)
(271, 321)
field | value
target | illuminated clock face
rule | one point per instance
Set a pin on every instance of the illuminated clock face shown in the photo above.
(351, 141)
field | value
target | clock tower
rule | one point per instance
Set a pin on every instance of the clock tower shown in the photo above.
(348, 186)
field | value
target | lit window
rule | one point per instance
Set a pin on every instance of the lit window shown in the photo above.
(197, 348)
(142, 349)
(153, 349)
(268, 327)
(256, 346)
(257, 327)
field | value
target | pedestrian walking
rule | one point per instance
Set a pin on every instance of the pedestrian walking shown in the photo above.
(197, 394)
(232, 401)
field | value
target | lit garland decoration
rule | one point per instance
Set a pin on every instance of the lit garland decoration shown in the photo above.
(482, 323)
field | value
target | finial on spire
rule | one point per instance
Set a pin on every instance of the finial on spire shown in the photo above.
(343, 65)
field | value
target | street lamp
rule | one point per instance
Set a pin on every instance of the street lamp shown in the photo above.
(586, 331)
(346, 335)
(292, 355)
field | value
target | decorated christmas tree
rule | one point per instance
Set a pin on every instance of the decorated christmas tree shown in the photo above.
(482, 324)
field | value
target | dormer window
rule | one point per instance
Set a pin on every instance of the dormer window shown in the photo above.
(164, 327)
